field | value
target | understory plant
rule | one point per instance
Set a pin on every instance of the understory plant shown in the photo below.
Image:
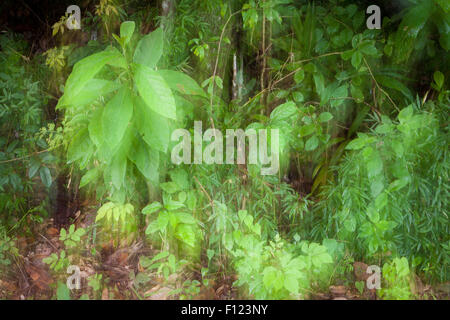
(119, 109)
(390, 191)
(276, 270)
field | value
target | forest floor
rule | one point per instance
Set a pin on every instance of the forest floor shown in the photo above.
(30, 278)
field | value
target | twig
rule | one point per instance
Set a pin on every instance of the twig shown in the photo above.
(302, 61)
(30, 155)
(217, 61)
(378, 86)
(204, 191)
(48, 242)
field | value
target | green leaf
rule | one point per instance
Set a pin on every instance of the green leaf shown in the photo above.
(83, 71)
(153, 128)
(153, 207)
(405, 114)
(173, 205)
(155, 92)
(312, 143)
(62, 292)
(34, 167)
(284, 111)
(368, 48)
(439, 79)
(269, 277)
(160, 256)
(325, 117)
(46, 176)
(291, 284)
(180, 177)
(126, 30)
(170, 187)
(93, 90)
(118, 169)
(77, 148)
(356, 59)
(146, 160)
(104, 209)
(181, 82)
(116, 116)
(95, 127)
(62, 234)
(185, 233)
(299, 76)
(89, 176)
(357, 93)
(149, 49)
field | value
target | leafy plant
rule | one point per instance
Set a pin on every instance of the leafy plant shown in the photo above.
(382, 200)
(71, 237)
(57, 263)
(397, 279)
(22, 105)
(275, 271)
(117, 101)
(179, 228)
(118, 222)
(95, 282)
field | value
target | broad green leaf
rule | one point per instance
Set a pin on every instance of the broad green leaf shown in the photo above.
(312, 143)
(96, 127)
(269, 276)
(180, 177)
(368, 48)
(153, 128)
(149, 49)
(291, 284)
(357, 93)
(439, 79)
(299, 76)
(118, 167)
(155, 92)
(89, 176)
(62, 292)
(77, 148)
(405, 114)
(284, 111)
(153, 207)
(181, 82)
(356, 59)
(93, 89)
(126, 30)
(185, 233)
(170, 187)
(104, 209)
(325, 117)
(160, 256)
(34, 167)
(186, 218)
(146, 160)
(83, 71)
(116, 116)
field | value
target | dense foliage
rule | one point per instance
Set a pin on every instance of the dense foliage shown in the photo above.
(363, 146)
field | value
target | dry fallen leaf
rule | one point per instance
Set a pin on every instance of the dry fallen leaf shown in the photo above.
(338, 290)
(105, 294)
(40, 277)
